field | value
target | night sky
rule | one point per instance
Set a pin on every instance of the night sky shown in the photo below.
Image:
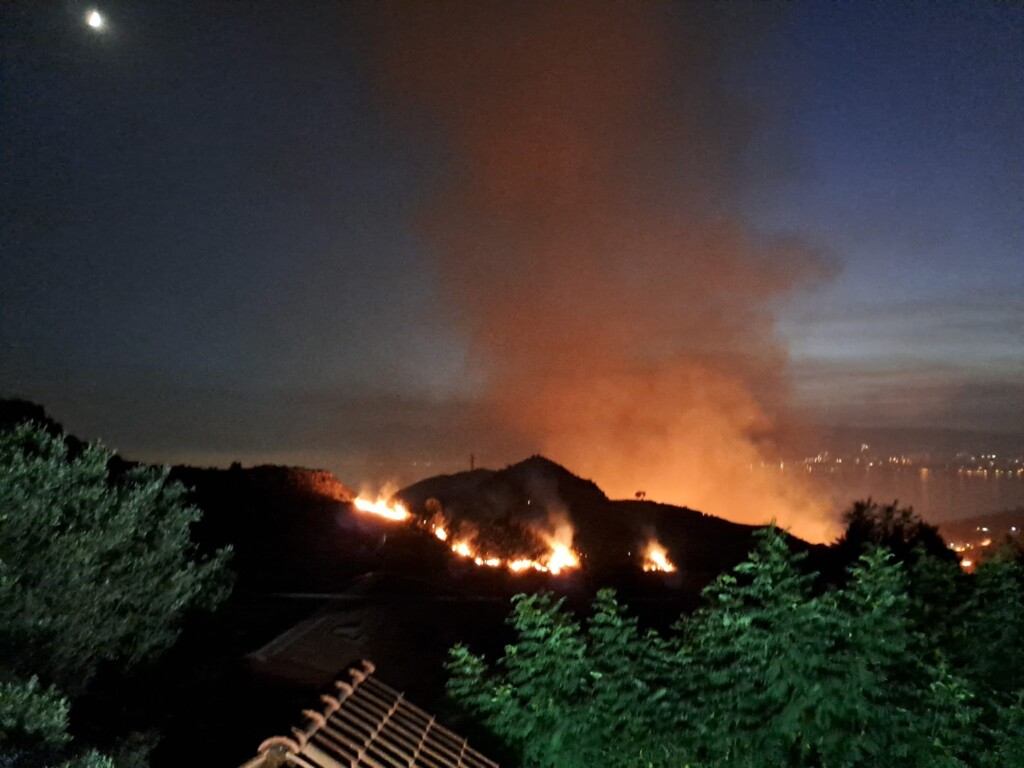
(211, 234)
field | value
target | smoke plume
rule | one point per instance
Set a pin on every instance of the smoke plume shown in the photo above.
(587, 239)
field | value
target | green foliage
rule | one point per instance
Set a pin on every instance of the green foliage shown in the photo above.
(33, 729)
(90, 759)
(991, 648)
(565, 696)
(30, 714)
(908, 705)
(791, 678)
(753, 657)
(898, 529)
(939, 589)
(770, 672)
(94, 569)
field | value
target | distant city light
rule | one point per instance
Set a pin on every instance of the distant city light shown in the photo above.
(95, 19)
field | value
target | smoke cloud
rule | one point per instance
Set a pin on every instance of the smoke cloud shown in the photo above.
(587, 240)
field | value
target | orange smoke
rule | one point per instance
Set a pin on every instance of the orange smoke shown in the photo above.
(620, 311)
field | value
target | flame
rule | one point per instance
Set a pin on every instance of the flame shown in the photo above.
(559, 558)
(656, 558)
(382, 508)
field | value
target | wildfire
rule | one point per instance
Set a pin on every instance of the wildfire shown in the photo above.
(656, 558)
(382, 508)
(559, 558)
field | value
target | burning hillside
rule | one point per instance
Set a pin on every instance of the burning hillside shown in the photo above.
(544, 549)
(536, 516)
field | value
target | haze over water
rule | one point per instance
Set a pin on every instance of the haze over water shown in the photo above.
(937, 496)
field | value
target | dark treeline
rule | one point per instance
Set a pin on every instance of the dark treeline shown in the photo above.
(98, 576)
(876, 650)
(900, 659)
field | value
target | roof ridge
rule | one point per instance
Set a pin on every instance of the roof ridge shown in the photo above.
(368, 724)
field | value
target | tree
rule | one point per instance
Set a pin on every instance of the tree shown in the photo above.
(565, 696)
(768, 672)
(95, 568)
(34, 730)
(898, 529)
(901, 696)
(992, 641)
(755, 658)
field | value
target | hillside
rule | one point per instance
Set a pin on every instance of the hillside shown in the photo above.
(608, 532)
(321, 585)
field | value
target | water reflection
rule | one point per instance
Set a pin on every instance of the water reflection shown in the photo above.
(935, 494)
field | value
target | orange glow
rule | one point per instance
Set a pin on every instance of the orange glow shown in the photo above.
(382, 508)
(561, 557)
(965, 563)
(560, 236)
(656, 558)
(986, 542)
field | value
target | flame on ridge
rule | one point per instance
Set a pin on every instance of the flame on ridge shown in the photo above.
(656, 558)
(382, 508)
(560, 557)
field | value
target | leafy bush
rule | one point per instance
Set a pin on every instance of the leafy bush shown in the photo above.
(768, 672)
(94, 569)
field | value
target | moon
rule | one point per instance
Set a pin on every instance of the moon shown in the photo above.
(95, 19)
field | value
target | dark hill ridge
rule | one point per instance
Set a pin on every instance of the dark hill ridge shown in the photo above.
(608, 532)
(399, 595)
(295, 528)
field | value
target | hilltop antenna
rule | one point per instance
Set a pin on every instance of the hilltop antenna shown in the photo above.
(472, 462)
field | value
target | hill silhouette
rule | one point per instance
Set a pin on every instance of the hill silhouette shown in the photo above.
(609, 532)
(321, 585)
(294, 529)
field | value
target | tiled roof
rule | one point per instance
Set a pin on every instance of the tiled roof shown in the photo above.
(369, 725)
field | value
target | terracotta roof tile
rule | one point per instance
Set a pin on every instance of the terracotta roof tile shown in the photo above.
(368, 724)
